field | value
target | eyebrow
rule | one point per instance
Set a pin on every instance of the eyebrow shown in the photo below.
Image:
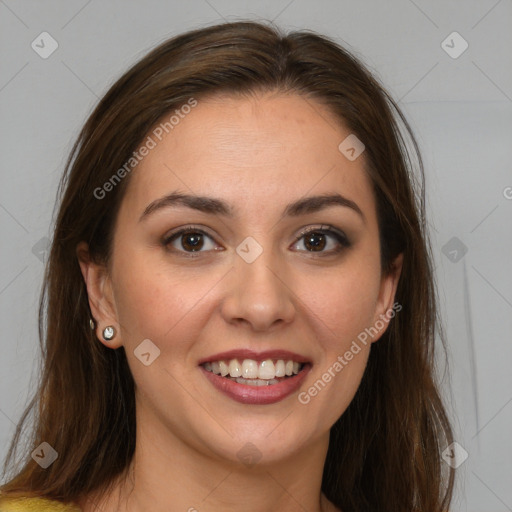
(215, 206)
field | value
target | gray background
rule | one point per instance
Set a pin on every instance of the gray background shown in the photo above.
(460, 109)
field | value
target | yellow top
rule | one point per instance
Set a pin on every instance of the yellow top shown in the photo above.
(8, 504)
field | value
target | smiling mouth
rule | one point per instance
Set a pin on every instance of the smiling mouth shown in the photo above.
(254, 373)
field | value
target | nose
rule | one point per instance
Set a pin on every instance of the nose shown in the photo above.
(258, 294)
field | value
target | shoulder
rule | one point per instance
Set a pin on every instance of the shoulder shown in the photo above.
(25, 504)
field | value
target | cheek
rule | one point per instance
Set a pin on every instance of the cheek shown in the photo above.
(155, 303)
(342, 302)
(345, 311)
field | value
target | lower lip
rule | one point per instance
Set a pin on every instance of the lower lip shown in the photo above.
(260, 395)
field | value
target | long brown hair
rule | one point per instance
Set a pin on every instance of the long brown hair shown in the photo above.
(385, 450)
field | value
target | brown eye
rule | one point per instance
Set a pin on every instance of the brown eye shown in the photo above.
(192, 241)
(187, 240)
(316, 240)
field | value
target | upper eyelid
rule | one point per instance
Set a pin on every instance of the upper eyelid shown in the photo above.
(301, 232)
(322, 228)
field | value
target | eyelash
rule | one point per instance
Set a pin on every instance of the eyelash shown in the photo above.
(326, 230)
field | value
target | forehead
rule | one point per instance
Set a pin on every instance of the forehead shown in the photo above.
(252, 151)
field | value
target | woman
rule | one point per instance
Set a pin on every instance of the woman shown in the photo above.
(240, 303)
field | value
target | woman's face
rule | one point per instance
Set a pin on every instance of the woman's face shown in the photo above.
(253, 281)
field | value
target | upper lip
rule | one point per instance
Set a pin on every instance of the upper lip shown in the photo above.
(286, 355)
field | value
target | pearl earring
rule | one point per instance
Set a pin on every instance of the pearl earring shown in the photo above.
(109, 333)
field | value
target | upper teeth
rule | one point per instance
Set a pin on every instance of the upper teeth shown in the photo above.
(251, 369)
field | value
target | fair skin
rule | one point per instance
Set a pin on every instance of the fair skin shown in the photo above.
(257, 155)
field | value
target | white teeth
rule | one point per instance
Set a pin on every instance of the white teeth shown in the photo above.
(266, 371)
(280, 368)
(235, 368)
(224, 368)
(249, 369)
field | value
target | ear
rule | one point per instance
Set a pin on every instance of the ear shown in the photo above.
(384, 310)
(99, 292)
